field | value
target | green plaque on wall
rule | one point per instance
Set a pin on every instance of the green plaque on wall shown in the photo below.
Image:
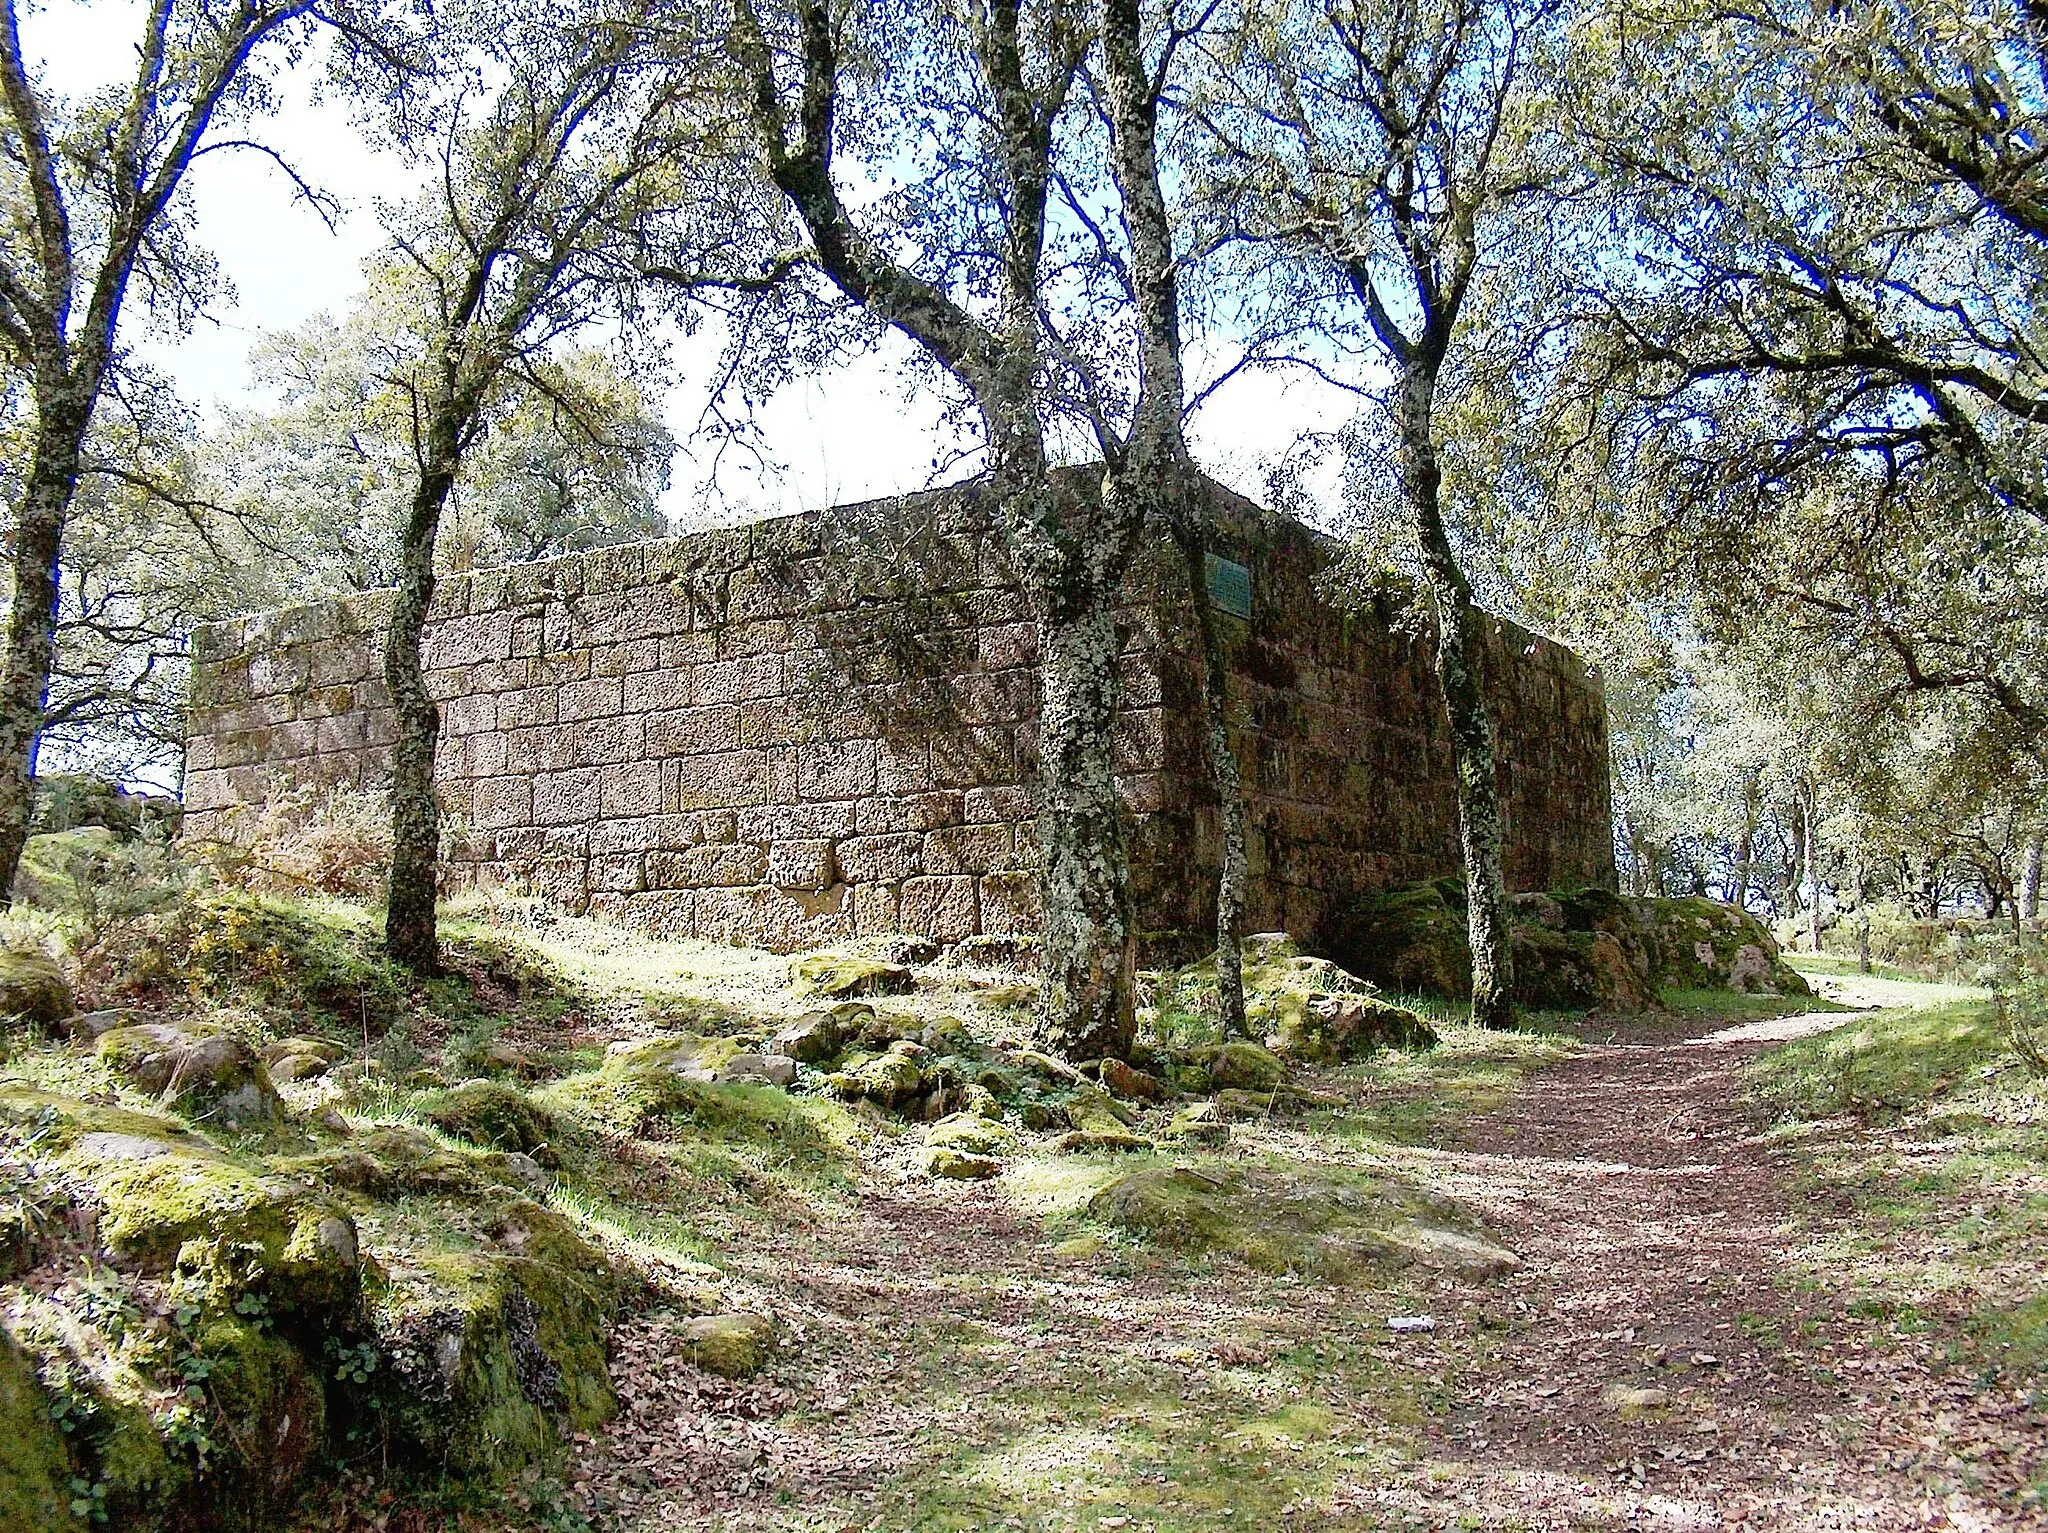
(1230, 585)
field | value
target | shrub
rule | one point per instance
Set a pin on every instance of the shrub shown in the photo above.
(307, 840)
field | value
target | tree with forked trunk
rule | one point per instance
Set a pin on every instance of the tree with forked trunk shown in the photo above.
(1380, 148)
(92, 203)
(563, 148)
(962, 269)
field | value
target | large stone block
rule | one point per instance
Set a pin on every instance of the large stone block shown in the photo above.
(802, 865)
(944, 909)
(693, 731)
(629, 787)
(566, 798)
(834, 769)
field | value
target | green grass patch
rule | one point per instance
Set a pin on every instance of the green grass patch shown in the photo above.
(1890, 1064)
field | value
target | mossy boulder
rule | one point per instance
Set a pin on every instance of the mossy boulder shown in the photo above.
(33, 991)
(850, 974)
(493, 1115)
(1130, 1083)
(1584, 949)
(1409, 940)
(1332, 1029)
(1101, 1141)
(1199, 1123)
(971, 1132)
(716, 1059)
(893, 1078)
(947, 1163)
(1331, 1225)
(1701, 944)
(1093, 1110)
(814, 1038)
(387, 1160)
(273, 1406)
(35, 1461)
(169, 1203)
(210, 1074)
(494, 1352)
(733, 1346)
(299, 1058)
(1241, 1067)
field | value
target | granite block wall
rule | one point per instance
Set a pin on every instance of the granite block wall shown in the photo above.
(824, 726)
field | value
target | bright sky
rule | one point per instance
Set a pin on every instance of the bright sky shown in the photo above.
(843, 436)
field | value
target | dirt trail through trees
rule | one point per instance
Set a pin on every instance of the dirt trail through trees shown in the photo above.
(1666, 1359)
(1667, 1353)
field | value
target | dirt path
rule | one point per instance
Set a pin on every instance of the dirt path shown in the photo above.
(1662, 1360)
(1667, 1355)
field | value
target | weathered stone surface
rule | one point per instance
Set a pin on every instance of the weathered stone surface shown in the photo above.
(33, 990)
(882, 750)
(735, 1346)
(848, 974)
(209, 1074)
(947, 1163)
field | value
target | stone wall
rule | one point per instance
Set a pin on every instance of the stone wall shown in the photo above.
(824, 725)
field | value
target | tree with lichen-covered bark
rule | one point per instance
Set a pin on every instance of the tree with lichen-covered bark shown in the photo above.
(564, 145)
(1380, 149)
(961, 267)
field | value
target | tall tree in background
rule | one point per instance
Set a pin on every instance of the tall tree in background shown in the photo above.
(1382, 146)
(320, 481)
(962, 270)
(558, 141)
(1816, 394)
(1151, 466)
(90, 196)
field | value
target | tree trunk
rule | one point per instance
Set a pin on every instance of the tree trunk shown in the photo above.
(1862, 876)
(1745, 845)
(1086, 1006)
(32, 622)
(1228, 780)
(1809, 814)
(2030, 882)
(410, 935)
(1458, 624)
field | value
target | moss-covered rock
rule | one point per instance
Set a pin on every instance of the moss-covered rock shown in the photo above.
(1331, 1029)
(815, 1038)
(1585, 949)
(1702, 944)
(1101, 1141)
(273, 1406)
(167, 1202)
(733, 1346)
(492, 1114)
(1241, 1067)
(1327, 1224)
(892, 1078)
(1409, 940)
(299, 1058)
(493, 1352)
(1199, 1123)
(387, 1160)
(948, 1163)
(717, 1059)
(35, 1462)
(1133, 1085)
(33, 991)
(210, 1074)
(850, 974)
(971, 1132)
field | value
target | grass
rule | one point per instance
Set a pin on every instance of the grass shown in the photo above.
(1925, 1138)
(1897, 1062)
